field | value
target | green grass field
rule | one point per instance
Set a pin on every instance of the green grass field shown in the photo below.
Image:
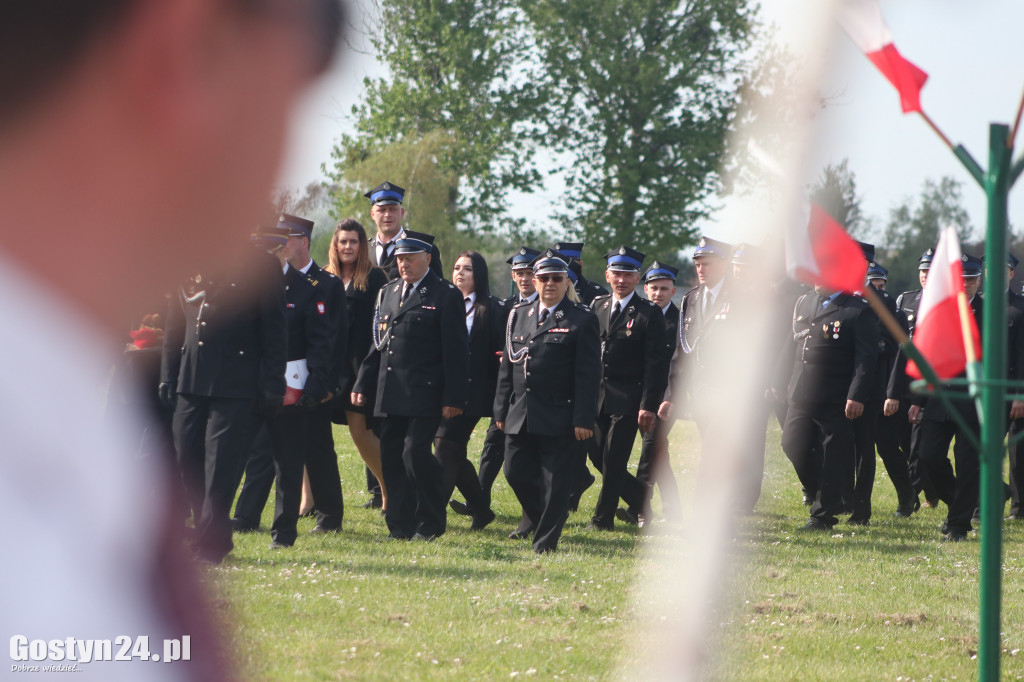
(887, 602)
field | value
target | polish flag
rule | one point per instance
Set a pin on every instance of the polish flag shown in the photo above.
(938, 334)
(862, 20)
(823, 253)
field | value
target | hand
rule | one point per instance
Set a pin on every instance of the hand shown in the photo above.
(167, 393)
(307, 402)
(914, 414)
(891, 407)
(500, 425)
(665, 411)
(646, 420)
(583, 434)
(268, 405)
(854, 409)
(358, 399)
(448, 411)
(1017, 409)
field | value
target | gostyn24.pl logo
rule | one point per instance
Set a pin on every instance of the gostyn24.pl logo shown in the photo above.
(67, 654)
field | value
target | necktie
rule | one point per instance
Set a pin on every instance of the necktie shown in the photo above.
(542, 318)
(616, 309)
(469, 308)
(707, 302)
(387, 251)
(405, 293)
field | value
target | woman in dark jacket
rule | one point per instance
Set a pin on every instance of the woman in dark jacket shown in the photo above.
(349, 260)
(485, 322)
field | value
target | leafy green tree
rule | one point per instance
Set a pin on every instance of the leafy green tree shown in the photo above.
(641, 97)
(836, 192)
(459, 77)
(914, 226)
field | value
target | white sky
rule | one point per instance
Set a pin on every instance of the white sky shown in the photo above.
(971, 51)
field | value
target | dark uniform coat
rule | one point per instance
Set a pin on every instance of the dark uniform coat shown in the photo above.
(423, 362)
(337, 311)
(633, 356)
(555, 388)
(587, 290)
(309, 330)
(835, 351)
(486, 341)
(225, 337)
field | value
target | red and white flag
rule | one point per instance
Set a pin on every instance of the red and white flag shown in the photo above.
(862, 20)
(823, 253)
(938, 334)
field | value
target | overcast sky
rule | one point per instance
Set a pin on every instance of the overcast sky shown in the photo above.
(971, 51)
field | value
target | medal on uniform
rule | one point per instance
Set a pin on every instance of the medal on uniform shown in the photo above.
(559, 314)
(835, 329)
(629, 325)
(423, 290)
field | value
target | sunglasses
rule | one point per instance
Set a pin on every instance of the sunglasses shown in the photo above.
(557, 279)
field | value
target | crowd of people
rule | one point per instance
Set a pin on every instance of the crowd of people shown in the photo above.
(565, 371)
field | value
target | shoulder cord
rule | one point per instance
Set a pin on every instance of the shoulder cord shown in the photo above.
(520, 355)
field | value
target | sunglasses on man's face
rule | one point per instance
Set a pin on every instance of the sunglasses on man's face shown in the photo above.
(550, 278)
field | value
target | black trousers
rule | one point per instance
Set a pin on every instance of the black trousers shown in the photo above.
(450, 448)
(540, 471)
(259, 478)
(1017, 471)
(887, 442)
(413, 476)
(819, 443)
(864, 431)
(910, 444)
(655, 468)
(212, 437)
(960, 490)
(613, 444)
(322, 466)
(492, 458)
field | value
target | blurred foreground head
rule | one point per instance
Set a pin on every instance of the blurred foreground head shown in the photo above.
(155, 127)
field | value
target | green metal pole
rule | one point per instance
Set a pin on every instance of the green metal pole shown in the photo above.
(993, 418)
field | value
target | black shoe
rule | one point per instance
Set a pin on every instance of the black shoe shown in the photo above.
(857, 521)
(320, 530)
(424, 538)
(460, 508)
(815, 524)
(481, 520)
(954, 536)
(519, 534)
(905, 510)
(240, 526)
(278, 545)
(630, 517)
(944, 529)
(373, 503)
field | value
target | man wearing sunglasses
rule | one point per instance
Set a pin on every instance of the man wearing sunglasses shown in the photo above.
(547, 397)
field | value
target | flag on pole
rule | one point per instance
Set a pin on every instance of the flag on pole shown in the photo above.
(862, 20)
(937, 334)
(823, 253)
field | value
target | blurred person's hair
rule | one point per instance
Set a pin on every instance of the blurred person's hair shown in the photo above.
(361, 273)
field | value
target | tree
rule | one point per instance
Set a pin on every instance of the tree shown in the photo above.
(836, 192)
(641, 97)
(459, 76)
(914, 227)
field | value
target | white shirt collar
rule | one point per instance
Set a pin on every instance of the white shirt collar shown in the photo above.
(624, 302)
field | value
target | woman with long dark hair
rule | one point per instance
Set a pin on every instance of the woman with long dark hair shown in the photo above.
(485, 322)
(349, 260)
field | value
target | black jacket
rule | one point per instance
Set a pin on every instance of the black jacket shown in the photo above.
(309, 330)
(225, 334)
(633, 356)
(337, 311)
(423, 361)
(554, 386)
(486, 341)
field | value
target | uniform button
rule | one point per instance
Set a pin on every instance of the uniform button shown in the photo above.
(391, 352)
(202, 324)
(527, 390)
(206, 305)
(241, 352)
(527, 374)
(389, 369)
(200, 344)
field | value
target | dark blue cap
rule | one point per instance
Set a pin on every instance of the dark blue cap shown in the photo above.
(296, 226)
(971, 265)
(386, 193)
(575, 270)
(745, 254)
(550, 263)
(270, 237)
(625, 259)
(868, 249)
(876, 271)
(414, 242)
(523, 258)
(570, 249)
(661, 271)
(925, 262)
(711, 247)
(1012, 261)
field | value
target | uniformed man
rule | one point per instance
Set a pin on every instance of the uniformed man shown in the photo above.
(224, 357)
(633, 378)
(835, 343)
(420, 365)
(321, 459)
(960, 490)
(907, 304)
(1015, 371)
(493, 454)
(387, 213)
(655, 467)
(572, 253)
(547, 397)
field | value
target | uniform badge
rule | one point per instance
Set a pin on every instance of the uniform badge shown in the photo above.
(530, 314)
(835, 329)
(559, 314)
(423, 290)
(629, 324)
(320, 307)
